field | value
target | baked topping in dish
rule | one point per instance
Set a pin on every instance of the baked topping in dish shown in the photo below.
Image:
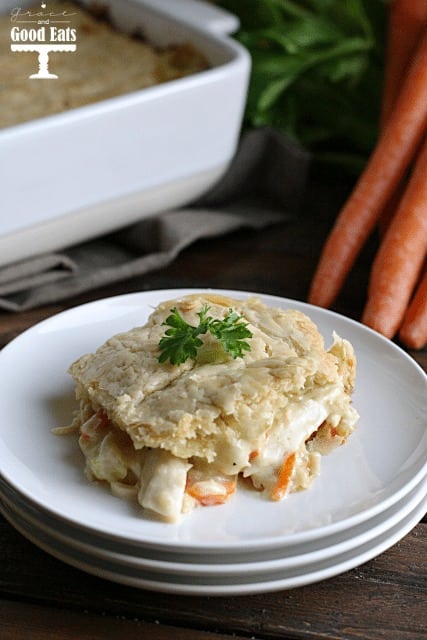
(178, 435)
(106, 63)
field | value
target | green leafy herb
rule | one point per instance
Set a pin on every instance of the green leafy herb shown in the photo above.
(317, 71)
(181, 340)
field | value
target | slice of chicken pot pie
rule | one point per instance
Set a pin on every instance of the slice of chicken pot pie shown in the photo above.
(210, 390)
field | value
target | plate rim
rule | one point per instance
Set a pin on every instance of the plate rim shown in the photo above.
(256, 565)
(349, 560)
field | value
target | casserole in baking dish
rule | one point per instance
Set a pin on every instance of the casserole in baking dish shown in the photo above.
(89, 170)
(108, 62)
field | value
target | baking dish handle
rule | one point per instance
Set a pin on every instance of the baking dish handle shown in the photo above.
(199, 14)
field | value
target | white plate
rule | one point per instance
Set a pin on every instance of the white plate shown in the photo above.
(382, 461)
(287, 558)
(218, 585)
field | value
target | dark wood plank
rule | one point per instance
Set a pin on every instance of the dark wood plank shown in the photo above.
(29, 621)
(384, 598)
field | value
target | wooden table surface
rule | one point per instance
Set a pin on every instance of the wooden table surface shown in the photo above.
(41, 597)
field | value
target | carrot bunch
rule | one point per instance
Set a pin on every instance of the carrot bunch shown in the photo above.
(391, 193)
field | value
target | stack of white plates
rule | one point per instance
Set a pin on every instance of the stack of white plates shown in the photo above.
(369, 495)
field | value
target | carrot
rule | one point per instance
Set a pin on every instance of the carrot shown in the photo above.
(94, 425)
(400, 257)
(413, 332)
(253, 455)
(284, 477)
(201, 490)
(406, 21)
(383, 172)
(389, 210)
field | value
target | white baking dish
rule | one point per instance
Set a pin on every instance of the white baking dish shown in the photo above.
(72, 176)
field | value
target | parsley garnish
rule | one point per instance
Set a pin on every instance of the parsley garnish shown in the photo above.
(181, 340)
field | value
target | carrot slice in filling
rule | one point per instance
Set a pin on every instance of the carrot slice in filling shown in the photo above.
(210, 491)
(94, 425)
(284, 477)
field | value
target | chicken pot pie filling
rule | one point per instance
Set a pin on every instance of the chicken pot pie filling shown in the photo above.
(175, 436)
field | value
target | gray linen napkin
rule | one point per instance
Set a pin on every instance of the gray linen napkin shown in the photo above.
(262, 186)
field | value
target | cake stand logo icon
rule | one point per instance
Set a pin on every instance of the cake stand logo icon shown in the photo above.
(43, 32)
